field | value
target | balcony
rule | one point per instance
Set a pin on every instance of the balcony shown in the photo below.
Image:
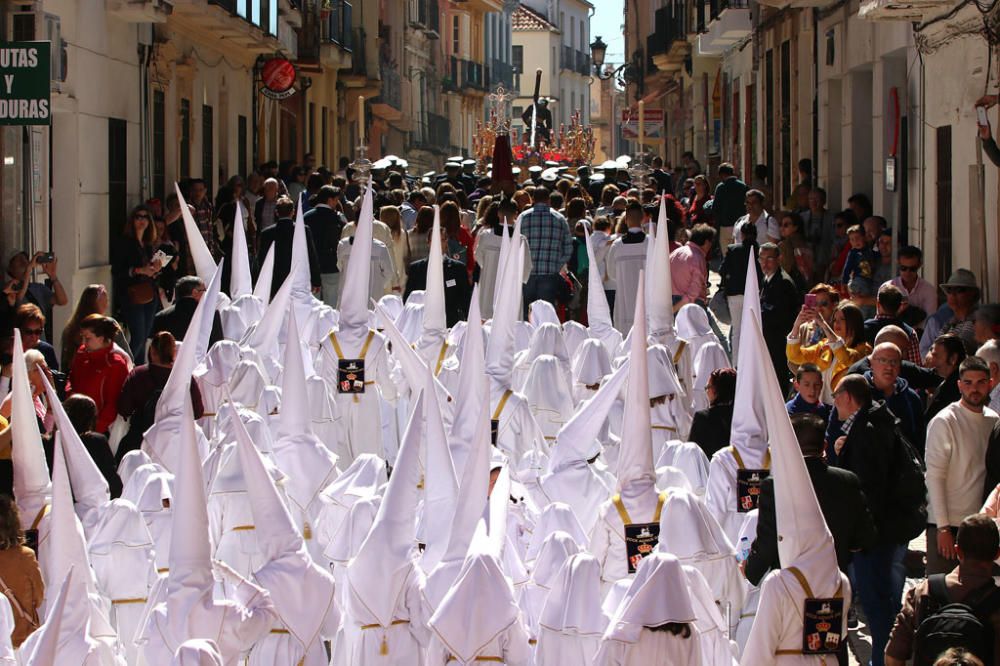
(583, 63)
(390, 93)
(667, 47)
(139, 11)
(434, 135)
(501, 73)
(325, 37)
(249, 25)
(464, 76)
(425, 16)
(568, 60)
(897, 10)
(728, 23)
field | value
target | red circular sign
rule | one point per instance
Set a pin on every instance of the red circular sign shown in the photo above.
(278, 75)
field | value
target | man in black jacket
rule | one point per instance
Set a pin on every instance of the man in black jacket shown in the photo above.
(865, 446)
(456, 283)
(325, 223)
(176, 318)
(946, 356)
(728, 203)
(918, 377)
(734, 279)
(281, 234)
(779, 306)
(840, 499)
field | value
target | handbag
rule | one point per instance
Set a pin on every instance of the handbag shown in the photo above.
(141, 293)
(719, 305)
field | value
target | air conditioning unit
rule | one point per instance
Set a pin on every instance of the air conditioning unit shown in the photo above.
(28, 23)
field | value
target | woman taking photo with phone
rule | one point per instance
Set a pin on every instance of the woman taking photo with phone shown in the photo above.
(134, 272)
(843, 344)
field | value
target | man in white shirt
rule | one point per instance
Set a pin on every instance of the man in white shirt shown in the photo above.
(601, 241)
(955, 455)
(382, 268)
(767, 226)
(917, 291)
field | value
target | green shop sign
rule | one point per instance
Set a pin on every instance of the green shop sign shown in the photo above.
(24, 83)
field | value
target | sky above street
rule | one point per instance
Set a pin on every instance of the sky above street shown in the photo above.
(606, 23)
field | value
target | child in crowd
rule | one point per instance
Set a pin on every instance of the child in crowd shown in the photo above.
(860, 264)
(808, 385)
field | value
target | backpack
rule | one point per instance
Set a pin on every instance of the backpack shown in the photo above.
(908, 492)
(963, 624)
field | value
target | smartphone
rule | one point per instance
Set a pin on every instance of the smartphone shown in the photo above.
(45, 257)
(981, 116)
(810, 301)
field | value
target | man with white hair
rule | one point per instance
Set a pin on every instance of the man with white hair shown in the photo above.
(990, 353)
(264, 210)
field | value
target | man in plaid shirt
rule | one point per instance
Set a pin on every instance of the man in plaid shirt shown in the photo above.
(550, 243)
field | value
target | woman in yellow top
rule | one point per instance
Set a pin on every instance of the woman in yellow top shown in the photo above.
(842, 346)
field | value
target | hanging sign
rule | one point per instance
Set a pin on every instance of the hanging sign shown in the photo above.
(278, 77)
(25, 83)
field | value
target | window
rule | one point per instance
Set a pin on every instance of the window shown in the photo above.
(241, 149)
(117, 179)
(312, 128)
(455, 41)
(159, 144)
(517, 58)
(324, 134)
(207, 146)
(184, 166)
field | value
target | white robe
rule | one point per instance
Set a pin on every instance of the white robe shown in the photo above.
(360, 413)
(558, 648)
(607, 539)
(778, 625)
(624, 261)
(720, 495)
(487, 254)
(404, 640)
(511, 645)
(653, 647)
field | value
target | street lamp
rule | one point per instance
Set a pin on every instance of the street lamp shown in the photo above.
(629, 72)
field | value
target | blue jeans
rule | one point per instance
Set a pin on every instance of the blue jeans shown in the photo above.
(879, 575)
(139, 320)
(541, 288)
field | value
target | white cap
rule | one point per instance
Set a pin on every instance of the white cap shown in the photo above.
(506, 310)
(749, 429)
(197, 652)
(473, 386)
(302, 288)
(659, 283)
(435, 317)
(658, 595)
(577, 440)
(573, 605)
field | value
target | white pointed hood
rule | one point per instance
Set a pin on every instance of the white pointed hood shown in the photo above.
(477, 609)
(42, 647)
(265, 278)
(302, 592)
(309, 464)
(354, 296)
(598, 312)
(412, 365)
(435, 316)
(178, 386)
(659, 284)
(197, 652)
(83, 617)
(377, 575)
(804, 540)
(265, 336)
(189, 581)
(207, 318)
(573, 605)
(635, 460)
(473, 386)
(591, 362)
(440, 484)
(32, 487)
(749, 430)
(302, 282)
(240, 281)
(689, 531)
(506, 311)
(472, 502)
(89, 486)
(658, 595)
(577, 440)
(201, 256)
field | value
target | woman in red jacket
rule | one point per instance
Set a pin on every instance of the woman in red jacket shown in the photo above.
(99, 370)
